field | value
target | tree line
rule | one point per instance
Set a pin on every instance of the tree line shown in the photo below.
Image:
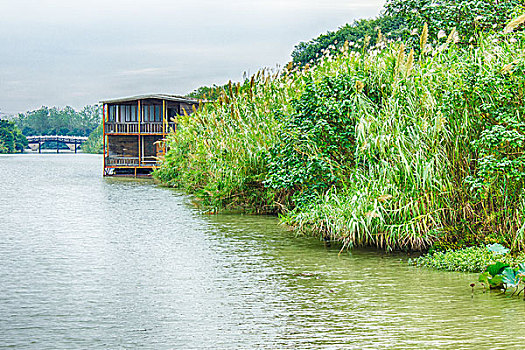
(59, 121)
(399, 18)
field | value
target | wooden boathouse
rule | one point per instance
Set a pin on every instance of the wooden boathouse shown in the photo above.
(135, 129)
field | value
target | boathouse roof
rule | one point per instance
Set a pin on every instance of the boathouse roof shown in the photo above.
(166, 97)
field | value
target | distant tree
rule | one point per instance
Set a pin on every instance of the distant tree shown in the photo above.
(11, 138)
(401, 17)
(468, 17)
(94, 142)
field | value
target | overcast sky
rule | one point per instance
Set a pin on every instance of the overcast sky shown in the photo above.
(76, 52)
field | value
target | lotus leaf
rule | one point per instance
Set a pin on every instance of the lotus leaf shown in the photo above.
(497, 268)
(496, 282)
(484, 278)
(509, 277)
(497, 249)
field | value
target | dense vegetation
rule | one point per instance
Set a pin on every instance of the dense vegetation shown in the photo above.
(11, 138)
(373, 145)
(403, 19)
(56, 121)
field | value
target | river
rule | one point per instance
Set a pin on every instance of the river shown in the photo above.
(88, 262)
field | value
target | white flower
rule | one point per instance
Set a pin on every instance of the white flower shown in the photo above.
(441, 34)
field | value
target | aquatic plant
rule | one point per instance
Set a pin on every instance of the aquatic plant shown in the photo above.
(501, 276)
(470, 259)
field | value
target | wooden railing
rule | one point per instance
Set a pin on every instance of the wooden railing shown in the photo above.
(151, 128)
(133, 128)
(122, 128)
(149, 161)
(131, 161)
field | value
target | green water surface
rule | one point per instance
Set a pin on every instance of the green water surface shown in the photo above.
(100, 263)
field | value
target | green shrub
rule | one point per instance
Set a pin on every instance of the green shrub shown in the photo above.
(318, 139)
(468, 17)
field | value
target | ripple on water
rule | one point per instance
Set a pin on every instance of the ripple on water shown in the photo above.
(88, 262)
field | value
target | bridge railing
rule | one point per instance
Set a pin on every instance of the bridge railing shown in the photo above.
(57, 138)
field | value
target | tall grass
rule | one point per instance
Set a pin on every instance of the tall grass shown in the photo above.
(417, 121)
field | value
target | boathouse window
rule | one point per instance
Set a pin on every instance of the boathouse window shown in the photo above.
(152, 113)
(112, 113)
(133, 113)
(126, 111)
(145, 113)
(157, 113)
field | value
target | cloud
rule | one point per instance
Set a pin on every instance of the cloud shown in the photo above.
(78, 52)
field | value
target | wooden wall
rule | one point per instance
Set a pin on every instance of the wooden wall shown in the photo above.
(124, 146)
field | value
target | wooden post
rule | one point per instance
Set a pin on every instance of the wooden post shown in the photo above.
(138, 146)
(104, 110)
(164, 124)
(57, 144)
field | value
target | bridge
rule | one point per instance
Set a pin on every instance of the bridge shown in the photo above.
(72, 142)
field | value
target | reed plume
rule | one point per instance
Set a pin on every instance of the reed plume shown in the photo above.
(516, 22)
(423, 38)
(410, 62)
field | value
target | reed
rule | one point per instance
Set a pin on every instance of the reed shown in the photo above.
(416, 154)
